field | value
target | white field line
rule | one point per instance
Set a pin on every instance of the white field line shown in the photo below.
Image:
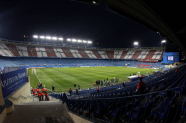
(43, 72)
(38, 78)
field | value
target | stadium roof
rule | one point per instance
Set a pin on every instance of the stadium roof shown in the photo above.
(165, 18)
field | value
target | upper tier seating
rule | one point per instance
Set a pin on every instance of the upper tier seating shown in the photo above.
(10, 49)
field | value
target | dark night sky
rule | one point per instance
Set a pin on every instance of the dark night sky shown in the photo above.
(73, 20)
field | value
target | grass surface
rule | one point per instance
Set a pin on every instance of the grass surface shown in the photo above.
(65, 78)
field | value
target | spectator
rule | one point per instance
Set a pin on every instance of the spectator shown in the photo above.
(38, 85)
(37, 91)
(74, 86)
(105, 83)
(41, 85)
(70, 91)
(98, 89)
(176, 71)
(123, 84)
(79, 87)
(94, 84)
(33, 91)
(46, 97)
(41, 95)
(77, 92)
(101, 83)
(53, 88)
(141, 87)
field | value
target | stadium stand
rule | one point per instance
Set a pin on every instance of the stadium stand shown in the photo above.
(113, 103)
(18, 49)
(121, 104)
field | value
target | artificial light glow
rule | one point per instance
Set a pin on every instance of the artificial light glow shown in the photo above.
(60, 39)
(68, 39)
(135, 43)
(163, 41)
(94, 2)
(84, 41)
(48, 37)
(42, 37)
(74, 40)
(35, 36)
(89, 42)
(79, 41)
(54, 38)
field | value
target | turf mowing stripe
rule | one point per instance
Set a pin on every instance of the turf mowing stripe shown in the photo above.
(50, 78)
(85, 77)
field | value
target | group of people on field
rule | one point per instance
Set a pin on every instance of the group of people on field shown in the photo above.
(41, 92)
(77, 92)
(106, 82)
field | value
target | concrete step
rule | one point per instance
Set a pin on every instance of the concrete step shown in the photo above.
(43, 103)
(39, 114)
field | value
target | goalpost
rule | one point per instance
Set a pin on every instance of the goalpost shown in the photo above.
(33, 71)
(138, 74)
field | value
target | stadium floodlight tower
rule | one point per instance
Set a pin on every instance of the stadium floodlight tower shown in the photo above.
(35, 37)
(54, 38)
(136, 44)
(74, 40)
(89, 42)
(79, 42)
(84, 42)
(163, 42)
(60, 39)
(69, 39)
(48, 37)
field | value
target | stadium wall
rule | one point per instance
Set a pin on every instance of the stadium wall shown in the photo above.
(2, 110)
(78, 119)
(22, 95)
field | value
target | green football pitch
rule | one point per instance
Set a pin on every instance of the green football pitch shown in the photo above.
(64, 78)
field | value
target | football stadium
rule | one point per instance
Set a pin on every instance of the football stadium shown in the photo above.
(113, 78)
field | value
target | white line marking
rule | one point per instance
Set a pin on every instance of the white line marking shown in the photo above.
(38, 78)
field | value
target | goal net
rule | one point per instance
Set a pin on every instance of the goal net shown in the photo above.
(33, 71)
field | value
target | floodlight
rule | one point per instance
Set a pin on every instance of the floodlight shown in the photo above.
(74, 40)
(135, 43)
(54, 38)
(42, 37)
(48, 37)
(89, 42)
(163, 41)
(79, 41)
(60, 39)
(35, 36)
(68, 39)
(94, 2)
(84, 41)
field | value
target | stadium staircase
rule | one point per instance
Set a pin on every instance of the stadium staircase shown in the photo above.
(52, 111)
